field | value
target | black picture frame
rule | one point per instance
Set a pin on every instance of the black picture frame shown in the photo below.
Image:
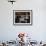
(22, 17)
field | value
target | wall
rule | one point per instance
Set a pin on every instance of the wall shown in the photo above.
(38, 29)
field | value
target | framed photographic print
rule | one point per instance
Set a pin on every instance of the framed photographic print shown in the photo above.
(22, 17)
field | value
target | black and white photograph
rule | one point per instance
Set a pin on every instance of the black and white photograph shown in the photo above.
(22, 16)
